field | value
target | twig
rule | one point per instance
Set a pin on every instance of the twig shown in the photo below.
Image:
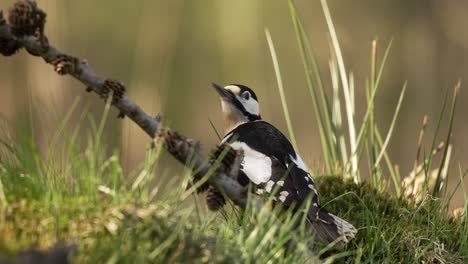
(25, 29)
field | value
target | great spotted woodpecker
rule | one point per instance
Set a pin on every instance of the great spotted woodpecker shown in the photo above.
(271, 163)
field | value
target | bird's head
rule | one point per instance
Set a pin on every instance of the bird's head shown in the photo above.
(239, 105)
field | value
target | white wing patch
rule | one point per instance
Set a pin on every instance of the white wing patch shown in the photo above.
(256, 165)
(283, 196)
(299, 162)
(269, 186)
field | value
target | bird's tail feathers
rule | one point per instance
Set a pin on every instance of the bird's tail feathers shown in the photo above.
(344, 228)
(330, 228)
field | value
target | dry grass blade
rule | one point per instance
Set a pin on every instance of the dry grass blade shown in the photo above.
(420, 141)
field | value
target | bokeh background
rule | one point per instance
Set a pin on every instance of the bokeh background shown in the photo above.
(169, 52)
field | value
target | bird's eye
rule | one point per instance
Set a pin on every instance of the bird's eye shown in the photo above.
(246, 95)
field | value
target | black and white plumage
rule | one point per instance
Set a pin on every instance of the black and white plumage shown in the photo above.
(271, 163)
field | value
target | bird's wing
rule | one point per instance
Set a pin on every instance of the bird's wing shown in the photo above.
(271, 163)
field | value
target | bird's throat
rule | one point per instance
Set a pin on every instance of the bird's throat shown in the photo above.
(231, 122)
(232, 116)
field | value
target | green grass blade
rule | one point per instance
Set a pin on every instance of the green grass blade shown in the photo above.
(337, 119)
(284, 103)
(427, 165)
(436, 190)
(461, 181)
(393, 172)
(392, 126)
(345, 84)
(103, 121)
(324, 136)
(325, 104)
(365, 123)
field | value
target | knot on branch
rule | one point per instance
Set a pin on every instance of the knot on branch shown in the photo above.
(229, 163)
(9, 47)
(26, 18)
(117, 87)
(64, 64)
(214, 199)
(182, 148)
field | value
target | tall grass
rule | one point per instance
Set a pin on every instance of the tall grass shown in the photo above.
(345, 149)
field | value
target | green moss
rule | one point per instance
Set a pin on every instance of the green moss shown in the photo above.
(103, 231)
(392, 229)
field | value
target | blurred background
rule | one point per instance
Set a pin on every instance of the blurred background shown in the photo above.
(169, 52)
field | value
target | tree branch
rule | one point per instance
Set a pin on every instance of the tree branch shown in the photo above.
(25, 29)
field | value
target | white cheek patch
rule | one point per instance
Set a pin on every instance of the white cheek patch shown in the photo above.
(255, 165)
(250, 105)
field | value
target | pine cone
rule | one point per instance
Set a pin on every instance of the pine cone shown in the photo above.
(227, 160)
(8, 47)
(214, 199)
(26, 18)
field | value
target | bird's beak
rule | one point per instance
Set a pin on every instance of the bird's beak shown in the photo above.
(225, 94)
